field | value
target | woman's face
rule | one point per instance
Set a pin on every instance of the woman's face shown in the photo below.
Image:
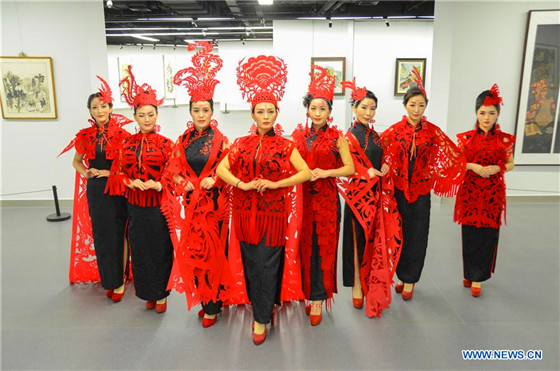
(146, 117)
(318, 111)
(100, 111)
(487, 117)
(365, 111)
(264, 115)
(415, 108)
(201, 113)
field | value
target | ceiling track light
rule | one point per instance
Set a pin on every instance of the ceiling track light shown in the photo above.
(109, 4)
(387, 22)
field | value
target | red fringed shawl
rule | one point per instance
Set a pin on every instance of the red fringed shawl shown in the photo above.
(438, 165)
(372, 201)
(198, 222)
(275, 214)
(83, 262)
(320, 204)
(481, 201)
(141, 156)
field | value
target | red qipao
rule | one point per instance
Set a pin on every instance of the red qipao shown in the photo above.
(372, 201)
(198, 219)
(481, 201)
(320, 203)
(108, 138)
(272, 215)
(438, 165)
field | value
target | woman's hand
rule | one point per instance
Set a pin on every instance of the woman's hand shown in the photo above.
(151, 184)
(189, 186)
(104, 173)
(137, 183)
(480, 170)
(207, 183)
(92, 173)
(492, 169)
(384, 169)
(319, 174)
(262, 185)
(373, 172)
(247, 186)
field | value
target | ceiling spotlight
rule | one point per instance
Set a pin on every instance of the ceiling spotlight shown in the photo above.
(387, 23)
(194, 24)
(154, 46)
(109, 4)
(247, 32)
(330, 23)
(174, 46)
(262, 22)
(141, 46)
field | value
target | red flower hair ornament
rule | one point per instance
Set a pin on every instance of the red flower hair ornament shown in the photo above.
(262, 79)
(417, 78)
(200, 79)
(494, 99)
(137, 96)
(357, 93)
(105, 93)
(322, 83)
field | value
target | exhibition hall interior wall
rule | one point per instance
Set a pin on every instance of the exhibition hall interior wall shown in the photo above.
(462, 60)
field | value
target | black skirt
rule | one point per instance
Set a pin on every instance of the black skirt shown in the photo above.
(263, 266)
(151, 250)
(416, 227)
(480, 248)
(108, 216)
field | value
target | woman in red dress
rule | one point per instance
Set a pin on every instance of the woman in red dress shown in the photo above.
(325, 150)
(263, 169)
(137, 173)
(194, 203)
(421, 158)
(97, 214)
(482, 196)
(372, 235)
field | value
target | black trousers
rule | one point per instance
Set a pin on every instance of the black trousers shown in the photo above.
(152, 251)
(212, 307)
(263, 266)
(351, 227)
(416, 227)
(317, 286)
(108, 223)
(480, 248)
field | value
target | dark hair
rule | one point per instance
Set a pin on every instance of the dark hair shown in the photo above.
(211, 101)
(92, 97)
(369, 95)
(412, 92)
(308, 98)
(135, 108)
(480, 100)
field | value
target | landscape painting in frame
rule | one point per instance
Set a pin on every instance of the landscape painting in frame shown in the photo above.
(403, 73)
(27, 90)
(538, 128)
(335, 66)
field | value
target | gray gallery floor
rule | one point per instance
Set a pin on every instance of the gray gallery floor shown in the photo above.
(49, 324)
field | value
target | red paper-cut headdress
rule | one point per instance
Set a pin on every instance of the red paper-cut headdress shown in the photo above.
(199, 79)
(357, 93)
(137, 96)
(105, 93)
(494, 99)
(262, 79)
(417, 78)
(321, 84)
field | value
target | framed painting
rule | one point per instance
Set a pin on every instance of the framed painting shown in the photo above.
(335, 66)
(403, 73)
(537, 128)
(168, 75)
(123, 64)
(27, 90)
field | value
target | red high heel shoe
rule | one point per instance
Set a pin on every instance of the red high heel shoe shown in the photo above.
(271, 320)
(467, 283)
(358, 303)
(308, 309)
(109, 293)
(315, 319)
(116, 297)
(258, 339)
(475, 291)
(150, 304)
(201, 313)
(160, 308)
(208, 322)
(407, 295)
(399, 287)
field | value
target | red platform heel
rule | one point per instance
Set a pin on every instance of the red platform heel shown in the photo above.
(315, 319)
(160, 308)
(407, 295)
(399, 287)
(150, 304)
(467, 283)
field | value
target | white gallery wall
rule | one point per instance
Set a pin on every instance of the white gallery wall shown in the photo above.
(477, 44)
(73, 34)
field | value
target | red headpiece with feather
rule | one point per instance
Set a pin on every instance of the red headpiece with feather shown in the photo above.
(417, 78)
(137, 96)
(262, 79)
(494, 99)
(199, 79)
(322, 83)
(357, 93)
(105, 93)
